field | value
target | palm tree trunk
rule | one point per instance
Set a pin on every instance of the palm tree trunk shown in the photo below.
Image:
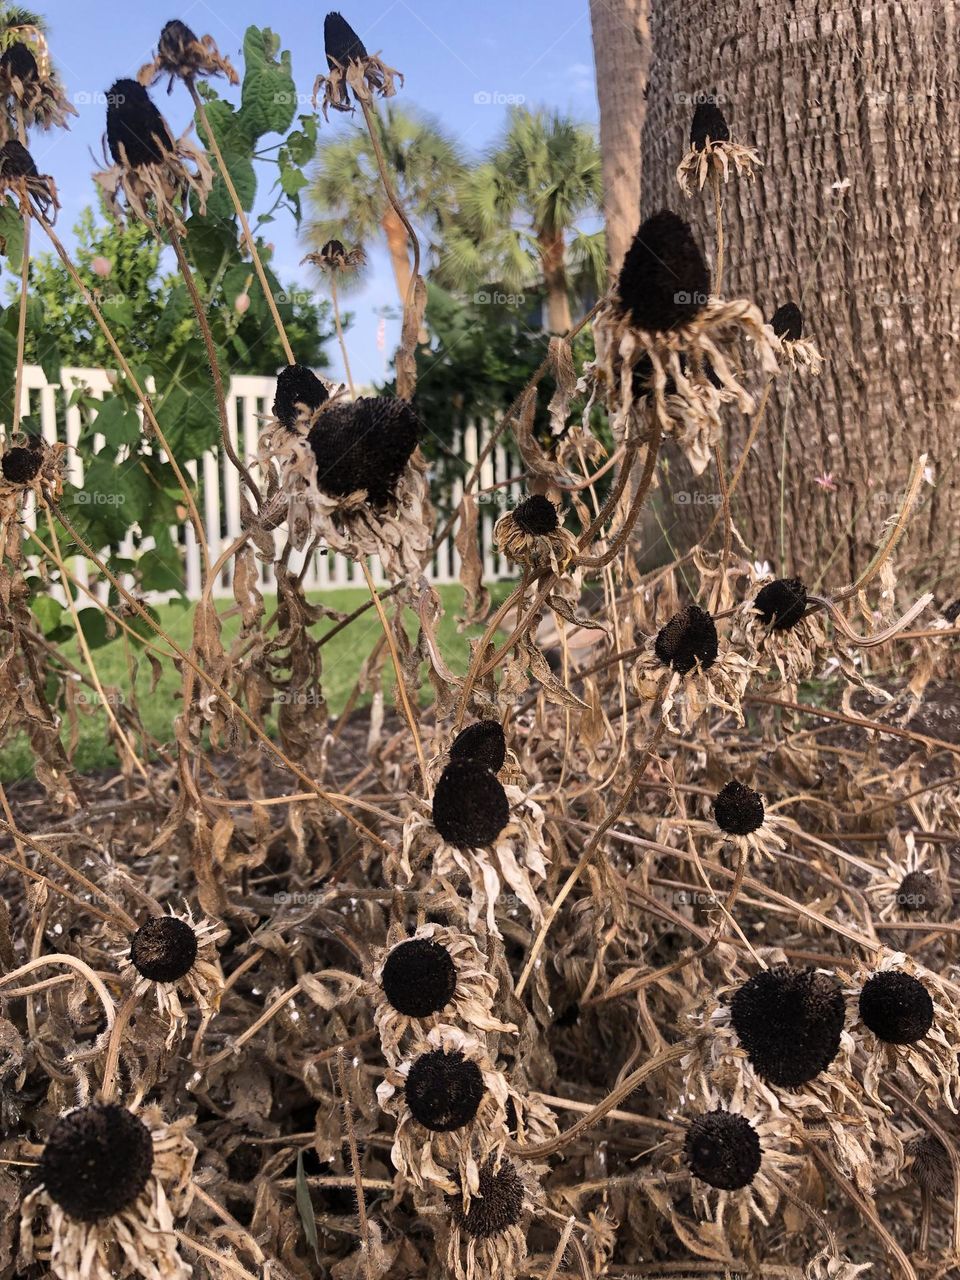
(553, 260)
(855, 217)
(399, 246)
(621, 52)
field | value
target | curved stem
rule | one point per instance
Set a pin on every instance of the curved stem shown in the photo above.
(40, 962)
(340, 338)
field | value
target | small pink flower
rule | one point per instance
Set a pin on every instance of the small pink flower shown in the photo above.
(242, 304)
(101, 267)
(826, 481)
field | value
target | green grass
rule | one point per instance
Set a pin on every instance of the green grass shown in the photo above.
(342, 659)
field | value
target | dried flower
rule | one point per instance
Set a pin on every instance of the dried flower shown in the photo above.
(96, 1162)
(486, 1236)
(333, 257)
(738, 810)
(364, 447)
(470, 806)
(664, 282)
(28, 80)
(532, 534)
(444, 1090)
(182, 55)
(896, 1007)
(153, 172)
(19, 175)
(789, 1021)
(351, 67)
(299, 395)
(497, 1205)
(483, 743)
(712, 151)
(708, 125)
(930, 1166)
(164, 949)
(782, 603)
(419, 977)
(918, 891)
(688, 640)
(723, 1150)
(19, 465)
(786, 324)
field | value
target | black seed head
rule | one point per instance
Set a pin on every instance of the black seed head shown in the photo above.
(688, 638)
(789, 1022)
(896, 1007)
(444, 1090)
(333, 251)
(782, 604)
(536, 515)
(497, 1205)
(341, 42)
(135, 128)
(470, 806)
(163, 949)
(951, 611)
(297, 385)
(97, 1161)
(722, 1150)
(787, 322)
(483, 743)
(664, 281)
(20, 465)
(18, 62)
(918, 892)
(175, 41)
(931, 1164)
(708, 122)
(365, 445)
(16, 161)
(737, 809)
(419, 978)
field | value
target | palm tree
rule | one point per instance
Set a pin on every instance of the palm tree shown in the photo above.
(516, 213)
(347, 196)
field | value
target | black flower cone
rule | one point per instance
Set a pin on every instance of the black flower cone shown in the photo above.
(737, 809)
(896, 1007)
(419, 977)
(664, 281)
(497, 1205)
(787, 322)
(918, 892)
(297, 385)
(782, 604)
(789, 1022)
(690, 636)
(723, 1150)
(536, 515)
(332, 250)
(137, 133)
(931, 1167)
(470, 806)
(20, 465)
(365, 445)
(341, 43)
(483, 743)
(175, 40)
(18, 62)
(16, 161)
(708, 122)
(163, 949)
(444, 1090)
(96, 1162)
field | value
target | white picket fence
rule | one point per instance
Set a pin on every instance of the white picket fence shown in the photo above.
(218, 497)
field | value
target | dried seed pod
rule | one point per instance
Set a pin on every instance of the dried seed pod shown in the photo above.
(18, 62)
(688, 638)
(782, 604)
(137, 133)
(364, 445)
(723, 1150)
(96, 1161)
(163, 949)
(483, 743)
(297, 386)
(737, 809)
(787, 322)
(789, 1021)
(708, 123)
(931, 1167)
(419, 978)
(664, 282)
(495, 1206)
(470, 806)
(16, 161)
(536, 515)
(341, 43)
(896, 1007)
(20, 465)
(918, 892)
(444, 1090)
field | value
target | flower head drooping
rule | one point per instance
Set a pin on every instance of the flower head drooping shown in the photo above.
(786, 324)
(782, 603)
(532, 534)
(688, 640)
(790, 1022)
(19, 176)
(174, 957)
(334, 258)
(896, 1007)
(738, 810)
(351, 67)
(29, 86)
(181, 55)
(110, 1183)
(485, 1234)
(470, 806)
(153, 172)
(483, 743)
(723, 1150)
(299, 395)
(712, 151)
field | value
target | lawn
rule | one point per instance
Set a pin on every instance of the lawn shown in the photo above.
(342, 659)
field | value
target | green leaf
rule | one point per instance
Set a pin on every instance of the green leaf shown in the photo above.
(93, 624)
(47, 611)
(117, 423)
(244, 176)
(269, 95)
(11, 237)
(161, 570)
(305, 1207)
(212, 241)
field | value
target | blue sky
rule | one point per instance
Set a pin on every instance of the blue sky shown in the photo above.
(462, 63)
